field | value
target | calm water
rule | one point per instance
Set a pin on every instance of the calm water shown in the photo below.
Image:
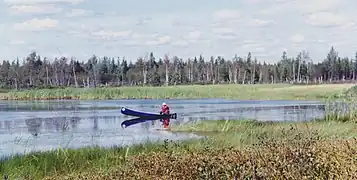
(32, 126)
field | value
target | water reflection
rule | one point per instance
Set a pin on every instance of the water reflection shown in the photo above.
(65, 124)
(37, 125)
(278, 113)
(30, 106)
(54, 124)
(48, 124)
(33, 125)
(95, 123)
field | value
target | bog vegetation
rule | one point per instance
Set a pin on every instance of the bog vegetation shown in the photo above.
(242, 149)
(242, 92)
(323, 149)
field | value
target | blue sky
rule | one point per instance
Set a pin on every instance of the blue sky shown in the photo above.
(185, 28)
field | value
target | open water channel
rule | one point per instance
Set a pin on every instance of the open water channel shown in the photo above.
(43, 125)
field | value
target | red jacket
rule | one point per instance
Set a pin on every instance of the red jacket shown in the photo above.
(165, 109)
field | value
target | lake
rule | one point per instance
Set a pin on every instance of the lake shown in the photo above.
(43, 125)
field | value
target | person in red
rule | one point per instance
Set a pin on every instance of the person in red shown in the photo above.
(165, 109)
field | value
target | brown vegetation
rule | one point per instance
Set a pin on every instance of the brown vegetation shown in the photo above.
(303, 157)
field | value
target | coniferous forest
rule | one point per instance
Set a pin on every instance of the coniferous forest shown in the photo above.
(39, 72)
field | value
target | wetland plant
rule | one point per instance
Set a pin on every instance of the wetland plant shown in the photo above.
(228, 91)
(241, 149)
(321, 149)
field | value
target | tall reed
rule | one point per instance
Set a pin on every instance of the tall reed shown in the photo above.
(262, 91)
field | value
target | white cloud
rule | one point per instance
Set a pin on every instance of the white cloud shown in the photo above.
(258, 50)
(17, 42)
(180, 43)
(13, 2)
(297, 38)
(250, 41)
(326, 19)
(259, 22)
(312, 6)
(194, 35)
(108, 35)
(36, 24)
(226, 15)
(35, 9)
(224, 33)
(143, 21)
(160, 40)
(77, 33)
(221, 31)
(253, 1)
(270, 10)
(250, 44)
(77, 13)
(253, 48)
(137, 35)
(183, 31)
(302, 6)
(276, 7)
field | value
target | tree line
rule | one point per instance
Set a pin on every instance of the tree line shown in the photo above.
(35, 71)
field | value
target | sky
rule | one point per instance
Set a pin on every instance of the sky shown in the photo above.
(185, 28)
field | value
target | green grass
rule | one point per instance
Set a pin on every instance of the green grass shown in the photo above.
(238, 134)
(66, 161)
(261, 142)
(260, 91)
(241, 133)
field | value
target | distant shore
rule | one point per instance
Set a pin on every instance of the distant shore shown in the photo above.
(241, 92)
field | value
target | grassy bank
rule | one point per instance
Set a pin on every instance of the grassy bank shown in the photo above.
(243, 149)
(266, 91)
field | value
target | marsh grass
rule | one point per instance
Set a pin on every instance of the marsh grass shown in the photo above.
(241, 133)
(286, 150)
(323, 148)
(226, 144)
(344, 110)
(260, 91)
(299, 159)
(37, 165)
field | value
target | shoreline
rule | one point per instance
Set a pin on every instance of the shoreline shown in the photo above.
(228, 91)
(223, 136)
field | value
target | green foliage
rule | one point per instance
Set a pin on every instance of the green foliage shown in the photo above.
(322, 148)
(40, 72)
(266, 91)
(65, 161)
(350, 93)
